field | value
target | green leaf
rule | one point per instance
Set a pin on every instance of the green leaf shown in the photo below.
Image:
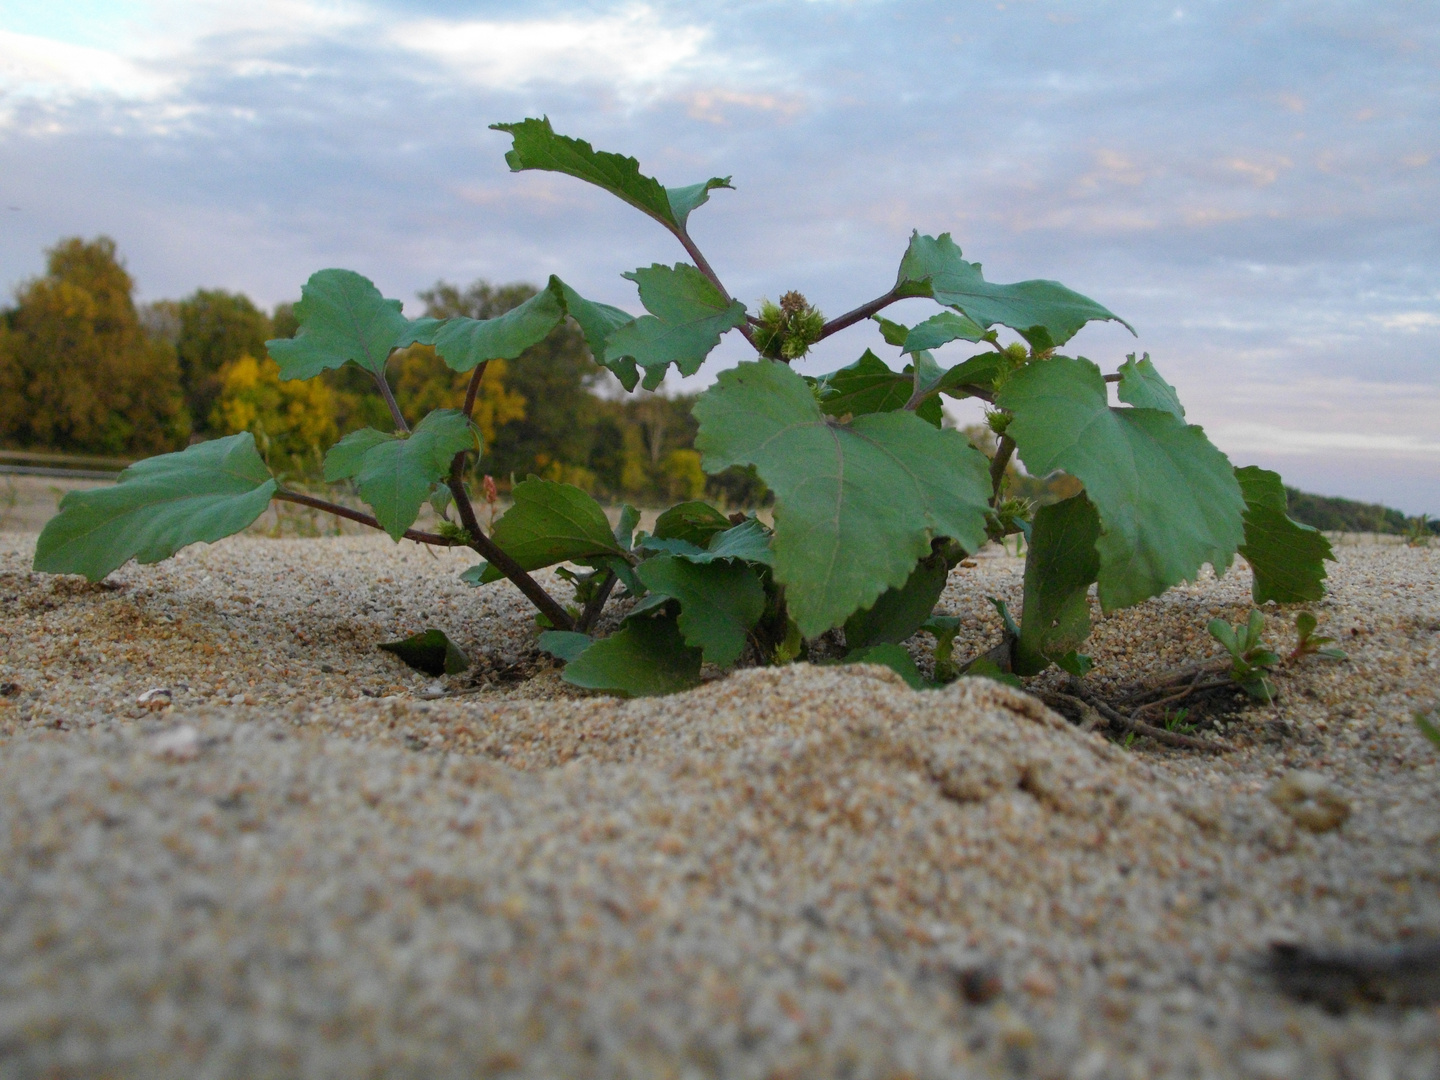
(551, 523)
(1142, 386)
(749, 541)
(343, 318)
(720, 602)
(944, 629)
(431, 652)
(466, 343)
(624, 530)
(695, 522)
(159, 505)
(642, 658)
(1287, 558)
(894, 657)
(1059, 567)
(857, 504)
(536, 146)
(1044, 313)
(343, 460)
(1167, 499)
(597, 322)
(942, 329)
(869, 386)
(687, 316)
(898, 613)
(894, 333)
(979, 372)
(1224, 633)
(395, 473)
(564, 645)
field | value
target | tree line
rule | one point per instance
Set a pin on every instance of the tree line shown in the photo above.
(84, 369)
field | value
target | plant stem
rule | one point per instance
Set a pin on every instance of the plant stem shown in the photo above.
(1003, 450)
(386, 393)
(596, 604)
(473, 389)
(1086, 702)
(864, 311)
(703, 265)
(547, 605)
(285, 495)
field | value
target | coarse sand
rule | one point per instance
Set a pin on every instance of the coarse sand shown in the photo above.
(296, 859)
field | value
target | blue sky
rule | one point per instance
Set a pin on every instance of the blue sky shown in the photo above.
(1254, 185)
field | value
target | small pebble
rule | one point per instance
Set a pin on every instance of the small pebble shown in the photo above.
(178, 744)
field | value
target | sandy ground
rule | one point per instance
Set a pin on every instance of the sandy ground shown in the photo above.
(304, 867)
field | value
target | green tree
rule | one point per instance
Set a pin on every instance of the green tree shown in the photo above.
(216, 328)
(78, 370)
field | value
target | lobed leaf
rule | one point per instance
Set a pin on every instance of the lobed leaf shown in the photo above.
(688, 314)
(695, 522)
(536, 146)
(1060, 566)
(749, 541)
(1044, 313)
(645, 657)
(1167, 499)
(564, 645)
(394, 473)
(465, 343)
(857, 504)
(160, 505)
(549, 523)
(431, 652)
(1286, 557)
(720, 602)
(1142, 386)
(597, 322)
(942, 329)
(343, 319)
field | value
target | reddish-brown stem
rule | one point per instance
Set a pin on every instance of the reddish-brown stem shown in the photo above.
(998, 464)
(473, 389)
(864, 311)
(703, 265)
(285, 495)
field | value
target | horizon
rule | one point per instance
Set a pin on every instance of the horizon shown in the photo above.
(1252, 188)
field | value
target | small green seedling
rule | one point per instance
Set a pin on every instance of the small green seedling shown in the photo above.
(1176, 722)
(1308, 643)
(1251, 659)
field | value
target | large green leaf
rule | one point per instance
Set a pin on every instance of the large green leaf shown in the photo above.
(1044, 313)
(720, 602)
(394, 473)
(1167, 499)
(343, 318)
(644, 657)
(896, 657)
(898, 613)
(160, 505)
(1060, 566)
(1142, 386)
(869, 386)
(549, 523)
(857, 504)
(1287, 558)
(687, 316)
(465, 343)
(597, 322)
(536, 146)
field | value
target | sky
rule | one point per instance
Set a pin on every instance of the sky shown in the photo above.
(1254, 185)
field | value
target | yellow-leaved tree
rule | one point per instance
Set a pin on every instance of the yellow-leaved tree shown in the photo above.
(293, 422)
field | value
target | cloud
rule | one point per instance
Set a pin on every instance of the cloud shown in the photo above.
(629, 50)
(1268, 438)
(43, 68)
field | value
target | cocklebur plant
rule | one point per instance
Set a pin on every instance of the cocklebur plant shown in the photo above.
(876, 501)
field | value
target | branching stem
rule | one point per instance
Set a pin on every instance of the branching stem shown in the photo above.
(864, 311)
(596, 604)
(285, 495)
(703, 265)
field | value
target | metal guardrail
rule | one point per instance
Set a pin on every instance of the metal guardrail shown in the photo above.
(64, 466)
